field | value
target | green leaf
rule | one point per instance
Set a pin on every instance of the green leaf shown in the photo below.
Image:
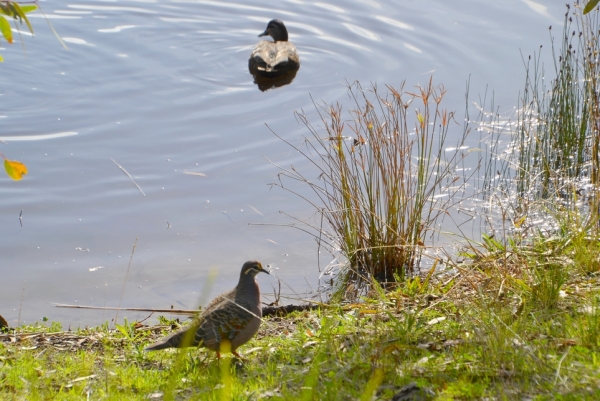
(590, 6)
(491, 244)
(5, 10)
(13, 11)
(123, 330)
(28, 8)
(21, 14)
(5, 29)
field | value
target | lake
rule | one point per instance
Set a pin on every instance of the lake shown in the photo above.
(162, 89)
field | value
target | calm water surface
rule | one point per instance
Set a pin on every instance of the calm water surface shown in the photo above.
(162, 88)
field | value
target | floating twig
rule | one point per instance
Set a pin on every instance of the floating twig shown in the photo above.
(128, 175)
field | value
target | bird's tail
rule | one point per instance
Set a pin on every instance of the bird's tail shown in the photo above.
(183, 338)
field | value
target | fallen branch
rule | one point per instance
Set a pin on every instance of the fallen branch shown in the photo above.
(266, 311)
(287, 309)
(174, 311)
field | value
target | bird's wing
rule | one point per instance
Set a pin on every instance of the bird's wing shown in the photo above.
(286, 54)
(220, 299)
(265, 55)
(223, 323)
(183, 338)
(192, 335)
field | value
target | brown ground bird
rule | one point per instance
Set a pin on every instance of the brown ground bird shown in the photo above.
(229, 321)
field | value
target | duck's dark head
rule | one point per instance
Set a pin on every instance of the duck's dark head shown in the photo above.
(276, 30)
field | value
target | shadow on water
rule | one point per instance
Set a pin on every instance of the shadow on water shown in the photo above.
(266, 83)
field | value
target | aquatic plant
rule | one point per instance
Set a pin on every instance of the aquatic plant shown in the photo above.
(384, 179)
(557, 141)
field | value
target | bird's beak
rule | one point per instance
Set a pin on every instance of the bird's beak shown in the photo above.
(265, 33)
(264, 270)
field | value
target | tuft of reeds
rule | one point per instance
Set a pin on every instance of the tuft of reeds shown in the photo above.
(385, 176)
(557, 139)
(545, 193)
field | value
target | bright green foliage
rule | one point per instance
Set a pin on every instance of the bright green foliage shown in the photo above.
(16, 12)
(5, 29)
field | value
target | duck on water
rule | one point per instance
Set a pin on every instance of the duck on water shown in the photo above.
(277, 58)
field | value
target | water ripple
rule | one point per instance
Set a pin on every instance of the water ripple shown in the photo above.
(413, 48)
(330, 7)
(365, 33)
(345, 43)
(395, 23)
(111, 8)
(117, 28)
(36, 137)
(76, 41)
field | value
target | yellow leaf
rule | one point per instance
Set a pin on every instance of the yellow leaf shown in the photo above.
(20, 15)
(29, 8)
(15, 169)
(520, 222)
(5, 30)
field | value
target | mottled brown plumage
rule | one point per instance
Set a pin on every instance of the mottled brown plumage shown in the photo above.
(272, 59)
(228, 321)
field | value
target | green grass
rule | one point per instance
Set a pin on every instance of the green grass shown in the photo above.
(487, 333)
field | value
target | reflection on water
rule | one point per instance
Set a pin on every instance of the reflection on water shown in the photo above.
(163, 88)
(36, 137)
(266, 83)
